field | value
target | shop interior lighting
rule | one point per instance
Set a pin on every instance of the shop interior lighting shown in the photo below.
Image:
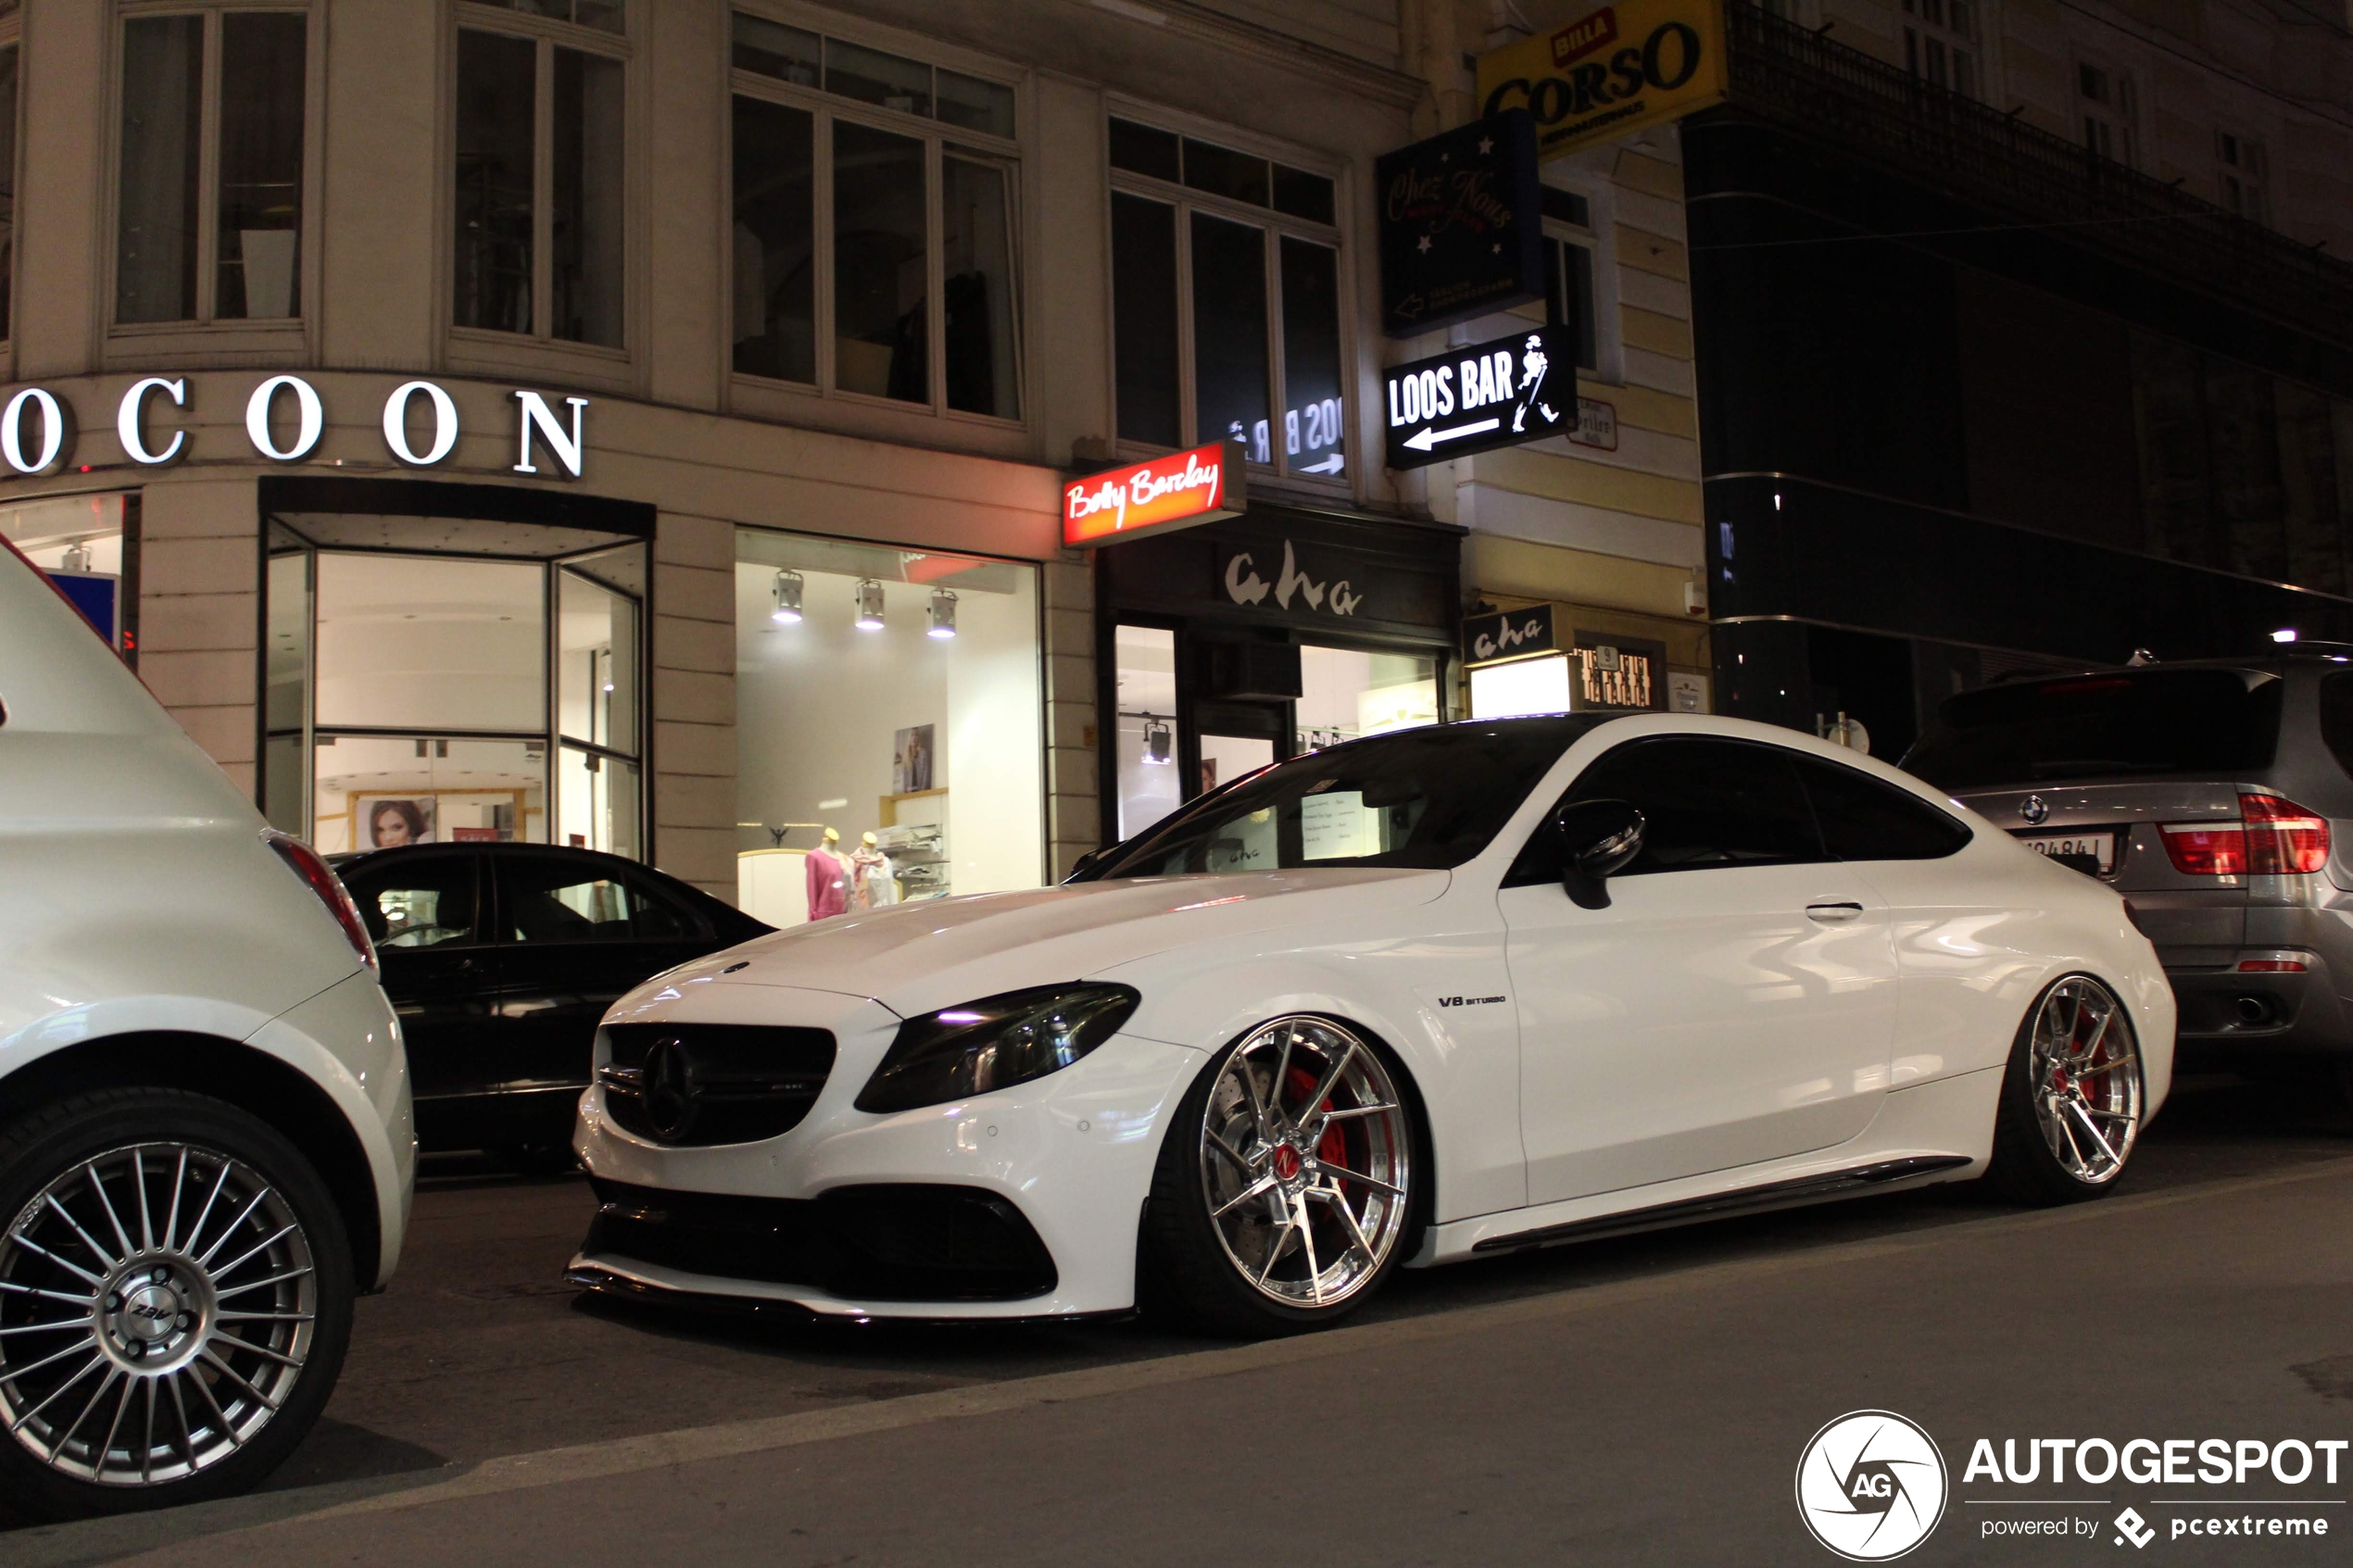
(787, 595)
(870, 606)
(1159, 741)
(943, 614)
(2284, 634)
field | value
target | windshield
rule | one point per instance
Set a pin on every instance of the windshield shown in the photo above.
(2129, 723)
(1428, 799)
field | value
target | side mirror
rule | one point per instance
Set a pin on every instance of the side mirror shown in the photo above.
(1597, 839)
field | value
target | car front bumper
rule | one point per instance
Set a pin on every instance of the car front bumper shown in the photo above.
(843, 1214)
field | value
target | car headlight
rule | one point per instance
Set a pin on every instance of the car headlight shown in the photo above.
(994, 1044)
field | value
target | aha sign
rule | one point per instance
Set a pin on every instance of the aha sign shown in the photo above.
(1154, 497)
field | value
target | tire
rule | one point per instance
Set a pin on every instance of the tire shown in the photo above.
(222, 1304)
(1246, 1272)
(2071, 1100)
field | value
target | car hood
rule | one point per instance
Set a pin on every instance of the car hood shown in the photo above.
(916, 958)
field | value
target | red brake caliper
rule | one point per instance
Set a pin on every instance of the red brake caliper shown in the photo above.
(1332, 1148)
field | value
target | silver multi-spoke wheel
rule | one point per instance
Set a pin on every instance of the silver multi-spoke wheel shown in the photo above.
(2086, 1080)
(158, 1303)
(1306, 1160)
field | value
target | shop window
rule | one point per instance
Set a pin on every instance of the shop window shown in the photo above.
(1940, 43)
(242, 207)
(1245, 248)
(1345, 693)
(887, 726)
(2241, 177)
(2104, 100)
(541, 239)
(911, 151)
(88, 547)
(443, 698)
(1144, 685)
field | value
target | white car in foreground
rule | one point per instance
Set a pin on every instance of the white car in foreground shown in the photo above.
(205, 1144)
(1419, 997)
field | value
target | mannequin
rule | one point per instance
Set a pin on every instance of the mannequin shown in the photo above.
(828, 878)
(870, 884)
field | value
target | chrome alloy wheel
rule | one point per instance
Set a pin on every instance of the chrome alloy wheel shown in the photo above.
(1306, 1161)
(156, 1304)
(2086, 1080)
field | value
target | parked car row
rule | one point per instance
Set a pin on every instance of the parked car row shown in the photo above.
(1425, 996)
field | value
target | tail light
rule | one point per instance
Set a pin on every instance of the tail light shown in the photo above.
(2276, 837)
(2283, 839)
(304, 862)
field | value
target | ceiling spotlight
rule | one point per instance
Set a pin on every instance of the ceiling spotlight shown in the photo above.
(1158, 739)
(787, 595)
(943, 614)
(2284, 634)
(870, 606)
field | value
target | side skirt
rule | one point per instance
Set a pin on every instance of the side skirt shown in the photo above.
(1851, 1182)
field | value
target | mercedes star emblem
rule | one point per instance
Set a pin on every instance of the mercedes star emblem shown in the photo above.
(2034, 809)
(667, 1090)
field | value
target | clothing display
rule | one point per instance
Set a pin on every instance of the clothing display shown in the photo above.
(828, 884)
(871, 885)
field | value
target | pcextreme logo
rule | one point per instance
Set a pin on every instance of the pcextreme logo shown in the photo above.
(1870, 1486)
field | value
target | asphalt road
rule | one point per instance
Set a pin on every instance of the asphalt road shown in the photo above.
(1640, 1401)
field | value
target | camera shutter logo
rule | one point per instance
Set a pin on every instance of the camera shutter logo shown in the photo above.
(1871, 1486)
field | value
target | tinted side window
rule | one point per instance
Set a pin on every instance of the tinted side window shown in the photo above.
(1863, 819)
(2337, 717)
(1705, 803)
(552, 899)
(416, 901)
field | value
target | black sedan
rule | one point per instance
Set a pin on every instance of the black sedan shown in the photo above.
(500, 958)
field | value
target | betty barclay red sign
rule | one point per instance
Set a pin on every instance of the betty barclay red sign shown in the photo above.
(1154, 497)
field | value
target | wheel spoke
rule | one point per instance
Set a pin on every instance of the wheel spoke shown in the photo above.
(180, 1411)
(139, 1184)
(209, 1358)
(1339, 1200)
(58, 1446)
(1256, 1190)
(225, 1270)
(106, 1204)
(96, 1361)
(282, 1358)
(1345, 1174)
(1275, 1254)
(1282, 1071)
(179, 1181)
(1241, 1066)
(38, 1250)
(44, 1328)
(121, 1408)
(226, 1292)
(108, 1259)
(196, 1232)
(1331, 1079)
(147, 1443)
(15, 1373)
(1307, 1240)
(1217, 1141)
(15, 1289)
(2099, 1033)
(265, 1317)
(2093, 1128)
(228, 1429)
(1351, 1113)
(234, 1225)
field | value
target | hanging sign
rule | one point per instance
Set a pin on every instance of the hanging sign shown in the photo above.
(1616, 675)
(1475, 399)
(1613, 71)
(1461, 233)
(1156, 497)
(1508, 634)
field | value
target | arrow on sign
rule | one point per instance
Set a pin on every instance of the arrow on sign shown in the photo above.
(1424, 439)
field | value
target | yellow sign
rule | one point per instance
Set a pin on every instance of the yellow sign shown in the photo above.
(1613, 71)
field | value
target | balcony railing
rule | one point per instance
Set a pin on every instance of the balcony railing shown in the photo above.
(1875, 111)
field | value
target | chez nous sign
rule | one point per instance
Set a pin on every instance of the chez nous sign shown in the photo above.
(284, 418)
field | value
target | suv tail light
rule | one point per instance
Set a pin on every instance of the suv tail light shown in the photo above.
(315, 875)
(2276, 837)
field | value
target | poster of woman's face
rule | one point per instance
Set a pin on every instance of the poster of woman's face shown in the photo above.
(911, 759)
(387, 822)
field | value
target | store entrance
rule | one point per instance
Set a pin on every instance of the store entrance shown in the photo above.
(1235, 738)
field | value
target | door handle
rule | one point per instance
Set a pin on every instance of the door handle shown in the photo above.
(1832, 912)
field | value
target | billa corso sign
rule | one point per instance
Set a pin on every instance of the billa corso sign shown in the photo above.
(1477, 398)
(1610, 72)
(1461, 233)
(1154, 497)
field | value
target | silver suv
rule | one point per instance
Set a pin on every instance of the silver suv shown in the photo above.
(2218, 797)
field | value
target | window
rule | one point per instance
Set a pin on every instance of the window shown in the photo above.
(414, 901)
(876, 194)
(1226, 301)
(2104, 98)
(1940, 43)
(1863, 819)
(2240, 177)
(544, 899)
(1706, 804)
(1569, 247)
(538, 183)
(242, 207)
(8, 54)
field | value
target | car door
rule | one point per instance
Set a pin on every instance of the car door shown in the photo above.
(424, 908)
(575, 932)
(1735, 1002)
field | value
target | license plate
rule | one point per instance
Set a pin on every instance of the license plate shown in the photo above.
(2098, 846)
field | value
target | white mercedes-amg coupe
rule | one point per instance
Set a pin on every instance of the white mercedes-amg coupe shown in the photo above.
(1419, 997)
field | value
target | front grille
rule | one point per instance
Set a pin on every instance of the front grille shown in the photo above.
(693, 1084)
(899, 1242)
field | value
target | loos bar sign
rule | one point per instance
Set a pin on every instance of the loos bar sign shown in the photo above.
(1610, 72)
(1158, 496)
(1475, 399)
(284, 418)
